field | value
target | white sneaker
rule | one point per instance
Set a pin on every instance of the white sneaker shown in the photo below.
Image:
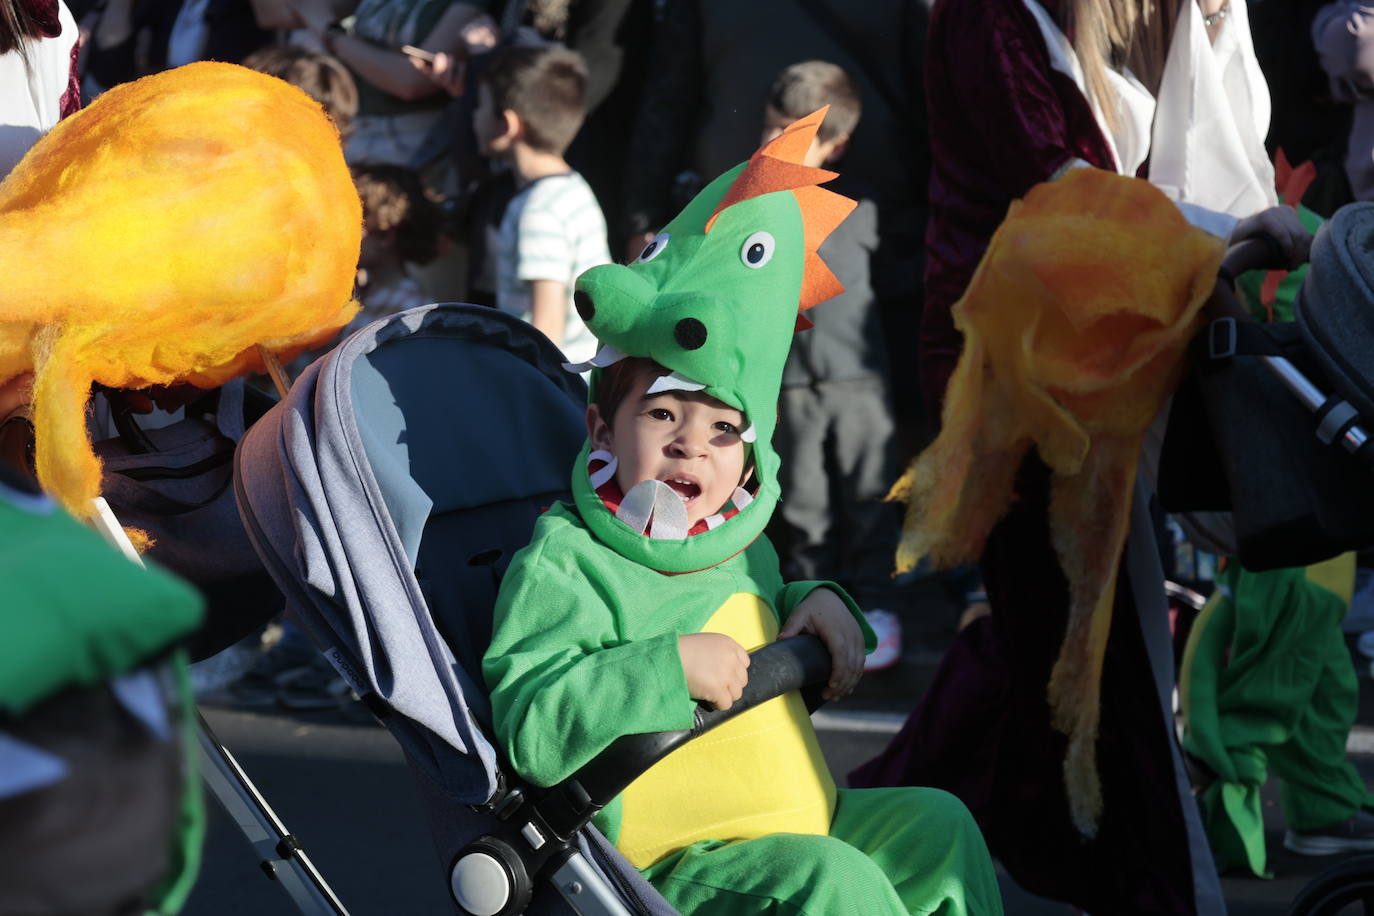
(1353, 835)
(888, 629)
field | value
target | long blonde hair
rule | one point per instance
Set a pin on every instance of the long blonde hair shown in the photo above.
(1116, 34)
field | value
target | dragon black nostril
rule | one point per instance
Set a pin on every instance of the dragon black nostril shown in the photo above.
(690, 333)
(586, 308)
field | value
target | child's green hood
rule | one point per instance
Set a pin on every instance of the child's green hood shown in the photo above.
(715, 298)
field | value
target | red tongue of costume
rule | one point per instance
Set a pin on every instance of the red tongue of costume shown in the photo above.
(611, 495)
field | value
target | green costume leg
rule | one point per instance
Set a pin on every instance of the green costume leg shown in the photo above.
(926, 843)
(892, 851)
(1287, 694)
(1320, 786)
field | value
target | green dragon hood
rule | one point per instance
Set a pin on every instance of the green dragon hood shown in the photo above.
(715, 298)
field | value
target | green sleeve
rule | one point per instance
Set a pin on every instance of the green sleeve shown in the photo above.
(564, 684)
(793, 593)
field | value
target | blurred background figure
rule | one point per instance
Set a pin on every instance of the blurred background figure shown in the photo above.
(319, 76)
(1343, 33)
(532, 102)
(133, 38)
(713, 64)
(400, 228)
(38, 46)
(835, 431)
(401, 111)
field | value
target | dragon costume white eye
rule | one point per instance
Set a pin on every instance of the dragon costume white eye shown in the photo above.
(654, 248)
(757, 250)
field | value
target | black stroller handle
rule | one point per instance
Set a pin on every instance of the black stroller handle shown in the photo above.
(1338, 421)
(1257, 252)
(774, 670)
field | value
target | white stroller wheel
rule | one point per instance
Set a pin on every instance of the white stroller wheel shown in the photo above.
(480, 884)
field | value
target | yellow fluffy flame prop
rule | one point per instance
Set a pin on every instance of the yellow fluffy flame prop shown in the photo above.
(159, 236)
(1074, 325)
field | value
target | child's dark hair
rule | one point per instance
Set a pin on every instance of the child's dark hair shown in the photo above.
(318, 75)
(812, 84)
(546, 87)
(618, 380)
(393, 198)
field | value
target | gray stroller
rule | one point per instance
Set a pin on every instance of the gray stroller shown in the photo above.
(386, 495)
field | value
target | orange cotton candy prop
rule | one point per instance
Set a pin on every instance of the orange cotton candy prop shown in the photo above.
(159, 236)
(1074, 325)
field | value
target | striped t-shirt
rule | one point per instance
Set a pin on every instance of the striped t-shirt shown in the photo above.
(552, 230)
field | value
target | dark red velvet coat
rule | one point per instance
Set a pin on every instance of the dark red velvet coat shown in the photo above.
(44, 13)
(1002, 120)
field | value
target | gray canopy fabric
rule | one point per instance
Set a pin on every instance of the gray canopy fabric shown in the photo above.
(433, 439)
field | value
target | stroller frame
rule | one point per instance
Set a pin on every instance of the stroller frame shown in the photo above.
(282, 857)
(531, 833)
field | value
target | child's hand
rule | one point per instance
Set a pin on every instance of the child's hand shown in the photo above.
(716, 666)
(825, 614)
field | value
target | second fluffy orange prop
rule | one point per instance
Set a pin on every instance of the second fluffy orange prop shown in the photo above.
(159, 236)
(1075, 327)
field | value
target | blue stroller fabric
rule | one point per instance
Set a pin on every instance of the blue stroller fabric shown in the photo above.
(386, 494)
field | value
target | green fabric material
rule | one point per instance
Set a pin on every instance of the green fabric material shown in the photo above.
(185, 854)
(584, 644)
(1286, 696)
(749, 314)
(890, 851)
(1286, 297)
(76, 612)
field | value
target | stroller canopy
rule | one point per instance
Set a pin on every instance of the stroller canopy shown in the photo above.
(399, 474)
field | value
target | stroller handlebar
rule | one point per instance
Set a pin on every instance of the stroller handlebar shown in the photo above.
(1258, 252)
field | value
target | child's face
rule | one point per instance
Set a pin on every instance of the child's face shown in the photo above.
(489, 125)
(685, 439)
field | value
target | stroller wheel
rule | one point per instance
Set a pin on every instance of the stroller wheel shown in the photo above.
(488, 878)
(1339, 887)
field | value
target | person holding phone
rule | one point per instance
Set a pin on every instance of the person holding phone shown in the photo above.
(399, 107)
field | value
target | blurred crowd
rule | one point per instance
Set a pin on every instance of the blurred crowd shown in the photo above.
(500, 148)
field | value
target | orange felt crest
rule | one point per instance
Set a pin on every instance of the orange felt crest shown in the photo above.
(777, 166)
(1075, 328)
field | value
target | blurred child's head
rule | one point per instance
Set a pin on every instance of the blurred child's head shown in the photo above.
(806, 87)
(399, 221)
(535, 96)
(318, 75)
(686, 439)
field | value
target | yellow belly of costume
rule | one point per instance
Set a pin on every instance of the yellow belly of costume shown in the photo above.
(757, 774)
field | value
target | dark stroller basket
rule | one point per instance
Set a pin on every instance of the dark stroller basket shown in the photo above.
(387, 493)
(1290, 407)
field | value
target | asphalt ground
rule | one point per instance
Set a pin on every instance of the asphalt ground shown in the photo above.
(340, 784)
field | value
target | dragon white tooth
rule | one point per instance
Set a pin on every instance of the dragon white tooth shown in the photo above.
(606, 356)
(674, 381)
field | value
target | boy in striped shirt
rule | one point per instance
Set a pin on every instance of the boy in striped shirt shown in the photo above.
(530, 106)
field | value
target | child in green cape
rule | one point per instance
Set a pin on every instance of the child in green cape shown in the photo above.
(645, 595)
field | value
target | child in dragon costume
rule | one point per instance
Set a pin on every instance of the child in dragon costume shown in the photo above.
(643, 595)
